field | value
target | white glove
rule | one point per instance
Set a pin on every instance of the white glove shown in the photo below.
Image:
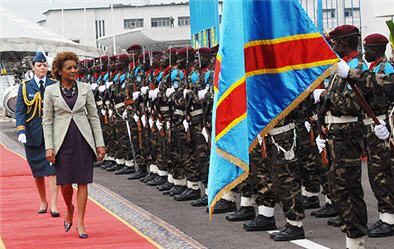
(93, 86)
(202, 93)
(150, 94)
(259, 138)
(103, 112)
(307, 126)
(151, 123)
(316, 94)
(321, 143)
(185, 91)
(186, 125)
(343, 69)
(154, 94)
(110, 112)
(136, 118)
(108, 84)
(135, 95)
(169, 91)
(124, 115)
(143, 120)
(381, 131)
(168, 124)
(205, 134)
(101, 88)
(22, 138)
(159, 125)
(144, 90)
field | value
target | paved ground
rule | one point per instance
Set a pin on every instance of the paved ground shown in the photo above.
(218, 233)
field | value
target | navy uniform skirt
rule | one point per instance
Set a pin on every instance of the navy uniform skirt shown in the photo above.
(38, 163)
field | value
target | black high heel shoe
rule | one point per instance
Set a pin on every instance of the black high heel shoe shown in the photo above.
(43, 211)
(55, 214)
(67, 226)
(82, 235)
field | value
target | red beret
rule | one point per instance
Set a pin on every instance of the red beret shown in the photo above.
(134, 47)
(104, 59)
(89, 63)
(124, 57)
(344, 31)
(215, 49)
(96, 60)
(204, 50)
(185, 51)
(375, 39)
(157, 52)
(173, 51)
(113, 58)
(327, 37)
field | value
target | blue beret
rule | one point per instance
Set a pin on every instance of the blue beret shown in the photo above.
(39, 57)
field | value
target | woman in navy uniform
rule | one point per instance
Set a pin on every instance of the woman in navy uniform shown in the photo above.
(29, 127)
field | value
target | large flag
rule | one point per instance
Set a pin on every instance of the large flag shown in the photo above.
(204, 23)
(271, 57)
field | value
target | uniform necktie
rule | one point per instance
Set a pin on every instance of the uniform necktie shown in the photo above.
(42, 88)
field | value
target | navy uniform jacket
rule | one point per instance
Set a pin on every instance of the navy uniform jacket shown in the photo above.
(29, 110)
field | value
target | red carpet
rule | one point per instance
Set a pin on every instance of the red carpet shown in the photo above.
(22, 227)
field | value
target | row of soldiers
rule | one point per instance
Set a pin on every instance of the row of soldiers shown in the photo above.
(156, 111)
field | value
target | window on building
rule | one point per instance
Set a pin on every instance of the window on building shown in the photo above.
(352, 12)
(328, 13)
(184, 21)
(160, 22)
(133, 23)
(100, 30)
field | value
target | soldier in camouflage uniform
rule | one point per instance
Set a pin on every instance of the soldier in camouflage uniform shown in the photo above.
(345, 145)
(379, 93)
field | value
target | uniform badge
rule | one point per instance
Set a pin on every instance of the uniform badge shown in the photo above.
(138, 78)
(349, 87)
(176, 84)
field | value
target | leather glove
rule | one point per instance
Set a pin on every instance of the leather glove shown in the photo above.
(307, 126)
(205, 134)
(22, 138)
(124, 115)
(320, 143)
(169, 91)
(144, 90)
(316, 94)
(343, 69)
(159, 125)
(135, 95)
(108, 84)
(202, 93)
(186, 125)
(101, 88)
(381, 131)
(103, 112)
(110, 112)
(143, 120)
(93, 86)
(168, 124)
(151, 123)
(136, 118)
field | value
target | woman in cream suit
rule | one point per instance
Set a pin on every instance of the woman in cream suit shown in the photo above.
(72, 132)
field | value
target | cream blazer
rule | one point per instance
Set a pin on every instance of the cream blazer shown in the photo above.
(57, 117)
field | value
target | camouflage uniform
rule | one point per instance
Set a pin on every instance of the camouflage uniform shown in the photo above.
(345, 146)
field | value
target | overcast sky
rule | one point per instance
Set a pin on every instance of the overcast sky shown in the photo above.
(33, 9)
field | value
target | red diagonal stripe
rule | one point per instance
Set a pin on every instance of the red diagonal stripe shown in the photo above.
(216, 76)
(286, 54)
(232, 107)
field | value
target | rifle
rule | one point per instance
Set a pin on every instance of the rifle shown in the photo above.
(311, 133)
(206, 124)
(187, 115)
(322, 129)
(131, 142)
(367, 108)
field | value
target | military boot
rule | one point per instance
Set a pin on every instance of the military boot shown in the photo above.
(165, 186)
(188, 195)
(260, 223)
(126, 170)
(108, 164)
(158, 180)
(244, 213)
(380, 229)
(289, 232)
(202, 202)
(167, 192)
(115, 167)
(149, 177)
(325, 212)
(177, 189)
(224, 206)
(336, 222)
(98, 164)
(140, 173)
(310, 202)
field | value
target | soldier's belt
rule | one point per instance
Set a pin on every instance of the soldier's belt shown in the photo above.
(282, 129)
(179, 112)
(164, 108)
(99, 103)
(330, 119)
(119, 105)
(196, 112)
(369, 121)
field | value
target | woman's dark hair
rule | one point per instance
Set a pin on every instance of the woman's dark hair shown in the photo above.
(58, 62)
